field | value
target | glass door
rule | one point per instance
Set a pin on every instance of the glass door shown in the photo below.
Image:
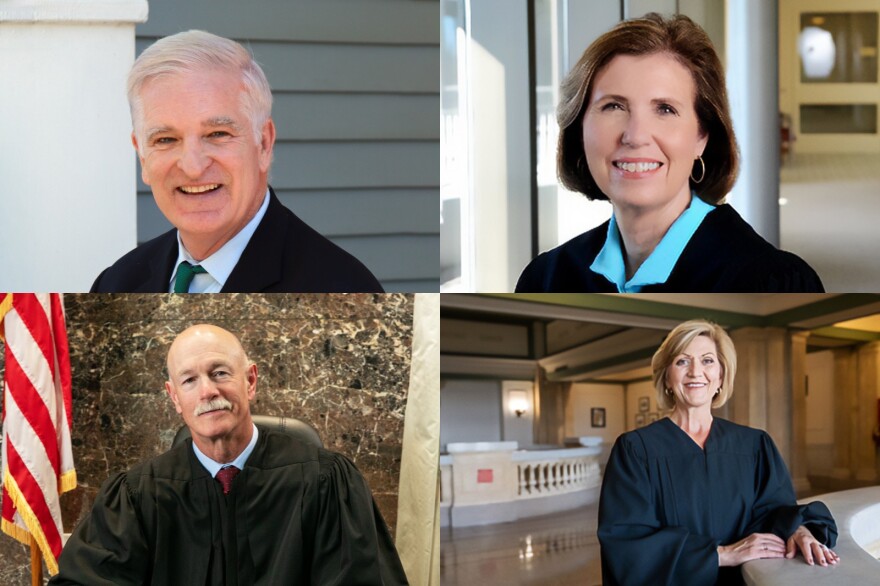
(829, 74)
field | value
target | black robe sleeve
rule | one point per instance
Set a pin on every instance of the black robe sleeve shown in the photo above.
(107, 548)
(637, 547)
(776, 510)
(352, 545)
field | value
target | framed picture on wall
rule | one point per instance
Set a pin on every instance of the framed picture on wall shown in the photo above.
(640, 419)
(652, 417)
(644, 404)
(597, 416)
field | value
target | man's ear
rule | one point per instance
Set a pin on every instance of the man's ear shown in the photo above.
(137, 149)
(267, 144)
(252, 381)
(169, 388)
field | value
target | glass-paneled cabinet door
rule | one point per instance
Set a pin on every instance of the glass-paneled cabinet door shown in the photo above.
(828, 74)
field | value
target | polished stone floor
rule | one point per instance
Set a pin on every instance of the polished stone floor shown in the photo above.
(829, 217)
(555, 550)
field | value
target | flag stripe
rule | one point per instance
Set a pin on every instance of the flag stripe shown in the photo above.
(37, 417)
(32, 316)
(33, 495)
(8, 509)
(32, 408)
(62, 352)
(31, 452)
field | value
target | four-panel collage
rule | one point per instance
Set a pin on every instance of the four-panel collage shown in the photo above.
(638, 345)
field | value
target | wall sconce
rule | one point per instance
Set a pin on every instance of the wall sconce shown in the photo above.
(518, 402)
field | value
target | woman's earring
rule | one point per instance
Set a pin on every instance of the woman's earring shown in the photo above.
(703, 174)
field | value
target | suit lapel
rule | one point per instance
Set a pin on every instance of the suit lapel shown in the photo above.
(157, 274)
(261, 262)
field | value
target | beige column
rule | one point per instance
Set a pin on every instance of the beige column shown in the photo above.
(779, 391)
(845, 384)
(748, 404)
(763, 392)
(550, 399)
(866, 412)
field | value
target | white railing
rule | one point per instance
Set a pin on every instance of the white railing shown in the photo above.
(445, 480)
(491, 482)
(556, 471)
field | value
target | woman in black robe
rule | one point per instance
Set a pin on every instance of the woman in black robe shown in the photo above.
(645, 124)
(689, 498)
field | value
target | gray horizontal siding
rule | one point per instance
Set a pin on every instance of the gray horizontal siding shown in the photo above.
(310, 67)
(374, 251)
(366, 211)
(356, 89)
(368, 117)
(339, 21)
(331, 165)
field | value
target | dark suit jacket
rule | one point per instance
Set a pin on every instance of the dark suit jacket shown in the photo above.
(725, 255)
(283, 255)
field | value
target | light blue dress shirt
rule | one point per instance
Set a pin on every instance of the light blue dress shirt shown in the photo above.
(214, 467)
(657, 267)
(220, 264)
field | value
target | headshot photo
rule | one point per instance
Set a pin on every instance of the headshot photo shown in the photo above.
(699, 439)
(249, 439)
(273, 147)
(658, 146)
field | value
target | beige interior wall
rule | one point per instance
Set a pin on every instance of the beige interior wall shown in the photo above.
(586, 396)
(634, 392)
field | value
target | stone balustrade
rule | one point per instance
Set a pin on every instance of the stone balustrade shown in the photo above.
(492, 482)
(549, 472)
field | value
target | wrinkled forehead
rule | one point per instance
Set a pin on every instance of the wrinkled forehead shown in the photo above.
(205, 345)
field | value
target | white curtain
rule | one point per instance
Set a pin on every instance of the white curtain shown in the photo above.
(418, 509)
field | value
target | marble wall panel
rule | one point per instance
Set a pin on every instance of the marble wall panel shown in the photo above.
(338, 361)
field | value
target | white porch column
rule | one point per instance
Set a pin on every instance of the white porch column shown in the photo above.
(753, 88)
(67, 167)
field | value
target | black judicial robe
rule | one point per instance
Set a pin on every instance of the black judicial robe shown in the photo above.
(666, 504)
(296, 514)
(725, 255)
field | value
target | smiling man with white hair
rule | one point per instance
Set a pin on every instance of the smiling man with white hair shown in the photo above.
(236, 504)
(202, 128)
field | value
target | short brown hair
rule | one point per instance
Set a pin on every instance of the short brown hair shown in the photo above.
(684, 40)
(675, 343)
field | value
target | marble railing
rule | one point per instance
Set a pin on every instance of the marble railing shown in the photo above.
(857, 513)
(445, 480)
(550, 472)
(493, 482)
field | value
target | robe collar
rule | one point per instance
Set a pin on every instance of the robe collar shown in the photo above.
(658, 266)
(213, 467)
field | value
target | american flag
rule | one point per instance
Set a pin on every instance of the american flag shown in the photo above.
(37, 457)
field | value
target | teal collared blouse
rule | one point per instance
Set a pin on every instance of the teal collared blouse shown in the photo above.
(657, 267)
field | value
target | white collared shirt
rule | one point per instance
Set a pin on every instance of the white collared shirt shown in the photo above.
(220, 264)
(214, 467)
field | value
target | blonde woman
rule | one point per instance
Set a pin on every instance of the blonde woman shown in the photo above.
(689, 498)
